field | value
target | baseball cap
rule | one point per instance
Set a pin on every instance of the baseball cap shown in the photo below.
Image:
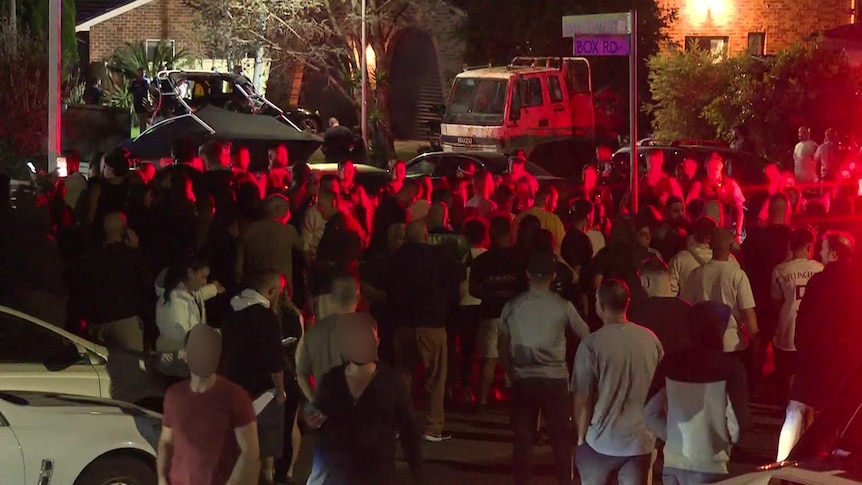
(541, 264)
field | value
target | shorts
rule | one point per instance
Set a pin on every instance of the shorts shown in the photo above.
(270, 429)
(486, 341)
(785, 361)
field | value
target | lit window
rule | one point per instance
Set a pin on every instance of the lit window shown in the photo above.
(715, 45)
(153, 46)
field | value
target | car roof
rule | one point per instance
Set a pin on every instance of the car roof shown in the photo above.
(495, 160)
(98, 349)
(333, 167)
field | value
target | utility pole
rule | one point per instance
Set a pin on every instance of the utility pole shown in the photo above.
(55, 108)
(364, 103)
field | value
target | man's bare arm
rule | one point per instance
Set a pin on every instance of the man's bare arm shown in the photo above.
(246, 471)
(165, 452)
(583, 415)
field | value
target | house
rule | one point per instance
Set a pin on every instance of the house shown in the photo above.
(759, 27)
(426, 57)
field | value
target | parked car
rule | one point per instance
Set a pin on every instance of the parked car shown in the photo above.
(746, 168)
(305, 119)
(829, 452)
(38, 356)
(371, 178)
(59, 439)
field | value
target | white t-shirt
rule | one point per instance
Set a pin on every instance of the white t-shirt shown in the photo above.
(804, 164)
(597, 239)
(788, 284)
(724, 282)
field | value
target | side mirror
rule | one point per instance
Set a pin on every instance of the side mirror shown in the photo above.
(64, 358)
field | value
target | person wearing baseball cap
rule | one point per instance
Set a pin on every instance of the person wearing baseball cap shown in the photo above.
(532, 348)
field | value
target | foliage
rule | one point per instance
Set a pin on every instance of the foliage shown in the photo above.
(807, 84)
(24, 65)
(683, 84)
(321, 35)
(33, 16)
(75, 94)
(131, 57)
(117, 95)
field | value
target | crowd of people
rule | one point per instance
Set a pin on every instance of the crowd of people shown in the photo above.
(328, 298)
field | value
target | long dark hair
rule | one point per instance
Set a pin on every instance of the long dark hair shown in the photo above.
(177, 273)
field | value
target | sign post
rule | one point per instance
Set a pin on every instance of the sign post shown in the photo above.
(55, 108)
(612, 34)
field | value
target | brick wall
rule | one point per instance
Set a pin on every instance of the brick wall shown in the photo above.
(443, 27)
(784, 21)
(159, 19)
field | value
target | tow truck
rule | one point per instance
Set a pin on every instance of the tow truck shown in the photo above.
(530, 104)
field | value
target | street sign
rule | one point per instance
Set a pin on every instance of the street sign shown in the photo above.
(598, 24)
(601, 45)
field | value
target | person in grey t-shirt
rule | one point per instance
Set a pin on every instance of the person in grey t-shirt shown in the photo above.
(532, 348)
(613, 370)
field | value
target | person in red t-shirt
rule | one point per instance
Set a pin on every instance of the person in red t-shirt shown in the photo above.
(209, 431)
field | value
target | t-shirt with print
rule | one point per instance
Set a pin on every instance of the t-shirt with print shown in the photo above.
(724, 282)
(536, 321)
(788, 284)
(616, 364)
(203, 423)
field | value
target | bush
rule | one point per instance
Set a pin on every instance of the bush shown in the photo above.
(24, 71)
(697, 97)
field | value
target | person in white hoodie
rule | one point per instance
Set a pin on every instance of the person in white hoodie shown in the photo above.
(181, 304)
(696, 255)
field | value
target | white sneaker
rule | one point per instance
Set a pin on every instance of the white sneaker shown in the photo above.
(437, 438)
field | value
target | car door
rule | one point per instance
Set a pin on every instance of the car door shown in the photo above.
(561, 120)
(11, 458)
(35, 358)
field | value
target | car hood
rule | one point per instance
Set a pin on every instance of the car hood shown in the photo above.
(69, 404)
(826, 470)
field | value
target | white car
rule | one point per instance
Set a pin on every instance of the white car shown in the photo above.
(38, 356)
(54, 439)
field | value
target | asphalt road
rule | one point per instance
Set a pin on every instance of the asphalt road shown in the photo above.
(481, 449)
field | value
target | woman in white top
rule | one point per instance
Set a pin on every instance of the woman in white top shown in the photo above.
(181, 303)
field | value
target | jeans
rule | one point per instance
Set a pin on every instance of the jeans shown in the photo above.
(675, 476)
(551, 397)
(597, 469)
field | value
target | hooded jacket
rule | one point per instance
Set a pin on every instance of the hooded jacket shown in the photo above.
(252, 343)
(704, 404)
(683, 263)
(182, 311)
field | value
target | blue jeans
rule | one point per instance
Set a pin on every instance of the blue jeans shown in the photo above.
(675, 476)
(597, 469)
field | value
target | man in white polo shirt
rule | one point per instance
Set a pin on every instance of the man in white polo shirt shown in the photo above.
(723, 281)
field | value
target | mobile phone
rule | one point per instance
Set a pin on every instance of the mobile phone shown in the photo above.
(288, 340)
(62, 167)
(31, 167)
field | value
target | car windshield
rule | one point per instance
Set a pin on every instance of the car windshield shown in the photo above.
(477, 101)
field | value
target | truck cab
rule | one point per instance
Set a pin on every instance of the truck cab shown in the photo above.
(532, 101)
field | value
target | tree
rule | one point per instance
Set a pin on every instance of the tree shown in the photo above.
(33, 16)
(683, 84)
(324, 36)
(24, 65)
(699, 96)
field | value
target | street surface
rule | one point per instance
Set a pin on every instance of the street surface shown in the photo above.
(481, 449)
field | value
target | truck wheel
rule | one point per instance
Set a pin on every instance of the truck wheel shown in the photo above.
(118, 470)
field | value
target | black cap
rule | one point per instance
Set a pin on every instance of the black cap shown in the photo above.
(541, 264)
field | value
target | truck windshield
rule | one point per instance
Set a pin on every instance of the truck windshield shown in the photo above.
(477, 101)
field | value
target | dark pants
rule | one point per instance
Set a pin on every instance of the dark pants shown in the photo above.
(675, 476)
(461, 334)
(551, 397)
(597, 469)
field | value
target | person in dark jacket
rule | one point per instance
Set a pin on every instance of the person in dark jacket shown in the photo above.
(828, 329)
(254, 359)
(703, 406)
(422, 283)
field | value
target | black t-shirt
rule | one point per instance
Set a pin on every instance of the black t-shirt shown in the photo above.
(577, 249)
(252, 348)
(497, 276)
(665, 316)
(338, 143)
(389, 211)
(764, 248)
